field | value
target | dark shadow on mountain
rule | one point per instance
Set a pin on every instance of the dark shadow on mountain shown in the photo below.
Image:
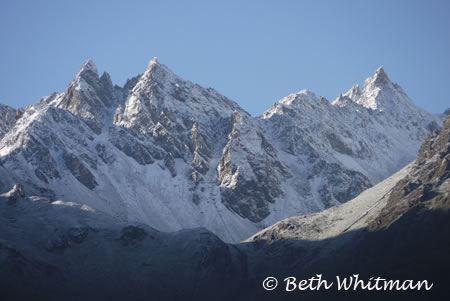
(416, 246)
(61, 252)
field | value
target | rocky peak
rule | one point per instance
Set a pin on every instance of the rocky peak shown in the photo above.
(106, 80)
(88, 66)
(354, 93)
(380, 76)
(299, 97)
(340, 98)
(294, 102)
(87, 76)
(153, 62)
(351, 96)
(157, 71)
(160, 92)
(156, 75)
(171, 140)
(381, 94)
(88, 95)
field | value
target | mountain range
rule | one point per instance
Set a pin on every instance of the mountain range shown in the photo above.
(398, 229)
(164, 190)
(170, 154)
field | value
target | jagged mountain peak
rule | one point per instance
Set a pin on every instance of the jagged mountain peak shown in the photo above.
(160, 93)
(351, 96)
(152, 62)
(379, 79)
(156, 71)
(379, 93)
(305, 93)
(354, 93)
(88, 95)
(89, 65)
(292, 101)
(87, 77)
(172, 154)
(106, 78)
(339, 100)
(302, 95)
(380, 71)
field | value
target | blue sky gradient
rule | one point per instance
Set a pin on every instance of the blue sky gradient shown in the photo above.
(254, 52)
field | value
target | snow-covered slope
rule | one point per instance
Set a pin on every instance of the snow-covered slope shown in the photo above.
(423, 185)
(400, 229)
(352, 215)
(173, 155)
(336, 150)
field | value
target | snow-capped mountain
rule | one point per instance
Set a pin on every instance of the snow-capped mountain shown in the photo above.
(351, 216)
(173, 155)
(398, 229)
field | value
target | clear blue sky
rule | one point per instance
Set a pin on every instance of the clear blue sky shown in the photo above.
(254, 52)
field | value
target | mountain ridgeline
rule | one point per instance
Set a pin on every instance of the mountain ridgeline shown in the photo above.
(134, 192)
(171, 154)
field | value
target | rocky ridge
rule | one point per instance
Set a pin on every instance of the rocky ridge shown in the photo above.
(173, 155)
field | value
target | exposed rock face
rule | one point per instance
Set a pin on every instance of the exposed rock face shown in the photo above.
(79, 170)
(8, 118)
(400, 228)
(426, 186)
(349, 217)
(38, 155)
(182, 119)
(88, 95)
(170, 154)
(423, 185)
(249, 172)
(338, 184)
